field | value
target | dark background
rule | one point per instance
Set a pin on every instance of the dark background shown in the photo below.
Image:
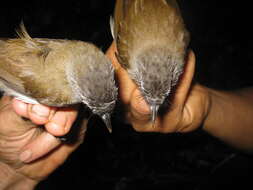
(221, 37)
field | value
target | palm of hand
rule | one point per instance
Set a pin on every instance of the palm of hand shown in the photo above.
(15, 138)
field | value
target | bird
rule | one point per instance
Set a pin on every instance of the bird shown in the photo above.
(57, 72)
(151, 45)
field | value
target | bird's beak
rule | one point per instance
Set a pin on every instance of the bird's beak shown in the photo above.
(107, 120)
(154, 111)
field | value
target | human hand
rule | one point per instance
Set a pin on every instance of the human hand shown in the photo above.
(29, 152)
(187, 110)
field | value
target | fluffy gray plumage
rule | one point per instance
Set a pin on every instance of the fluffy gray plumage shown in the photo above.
(97, 87)
(156, 72)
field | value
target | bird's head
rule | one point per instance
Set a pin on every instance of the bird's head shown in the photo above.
(93, 81)
(156, 71)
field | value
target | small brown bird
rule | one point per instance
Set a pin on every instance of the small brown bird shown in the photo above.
(57, 73)
(151, 41)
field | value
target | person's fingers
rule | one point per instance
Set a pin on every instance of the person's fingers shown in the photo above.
(185, 82)
(9, 119)
(129, 93)
(138, 104)
(51, 155)
(60, 123)
(196, 108)
(42, 145)
(20, 107)
(45, 165)
(126, 85)
(111, 54)
(177, 119)
(40, 114)
(37, 113)
(140, 112)
(57, 121)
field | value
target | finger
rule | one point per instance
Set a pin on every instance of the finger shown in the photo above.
(37, 113)
(48, 163)
(9, 119)
(140, 112)
(57, 121)
(45, 143)
(126, 85)
(40, 114)
(41, 146)
(60, 123)
(138, 106)
(186, 80)
(21, 108)
(128, 91)
(174, 121)
(142, 122)
(111, 54)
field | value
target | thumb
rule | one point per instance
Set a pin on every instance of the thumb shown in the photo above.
(9, 119)
(138, 109)
(138, 106)
(139, 114)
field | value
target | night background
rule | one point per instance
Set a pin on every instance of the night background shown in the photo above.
(221, 37)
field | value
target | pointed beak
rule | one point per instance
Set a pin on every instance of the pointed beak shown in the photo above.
(107, 120)
(154, 111)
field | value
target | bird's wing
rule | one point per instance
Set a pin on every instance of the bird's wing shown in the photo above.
(119, 13)
(35, 67)
(9, 83)
(13, 86)
(19, 58)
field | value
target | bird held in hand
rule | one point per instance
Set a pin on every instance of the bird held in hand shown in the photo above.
(58, 73)
(151, 41)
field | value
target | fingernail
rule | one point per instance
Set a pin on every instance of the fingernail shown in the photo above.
(41, 111)
(25, 156)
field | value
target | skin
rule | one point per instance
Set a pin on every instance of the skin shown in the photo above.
(17, 170)
(193, 105)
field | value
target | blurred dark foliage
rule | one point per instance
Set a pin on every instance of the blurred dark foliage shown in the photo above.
(221, 37)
